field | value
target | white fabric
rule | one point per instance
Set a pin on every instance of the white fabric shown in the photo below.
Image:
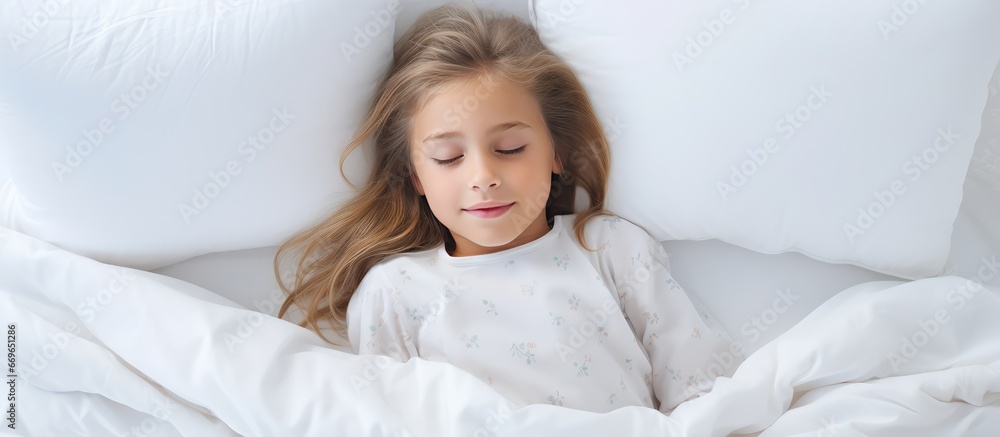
(145, 133)
(541, 324)
(164, 355)
(976, 240)
(841, 130)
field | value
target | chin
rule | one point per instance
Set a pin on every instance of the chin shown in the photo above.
(493, 242)
(493, 239)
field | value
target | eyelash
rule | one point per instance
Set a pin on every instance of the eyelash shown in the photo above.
(451, 161)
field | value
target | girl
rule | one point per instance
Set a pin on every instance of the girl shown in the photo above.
(464, 246)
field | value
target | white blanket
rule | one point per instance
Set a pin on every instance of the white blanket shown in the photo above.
(106, 350)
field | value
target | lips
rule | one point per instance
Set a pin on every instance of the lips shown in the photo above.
(493, 212)
(488, 205)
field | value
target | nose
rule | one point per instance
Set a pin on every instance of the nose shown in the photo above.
(484, 173)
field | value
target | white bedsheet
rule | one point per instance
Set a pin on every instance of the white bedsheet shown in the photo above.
(105, 350)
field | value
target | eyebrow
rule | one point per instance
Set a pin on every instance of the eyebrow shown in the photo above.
(497, 128)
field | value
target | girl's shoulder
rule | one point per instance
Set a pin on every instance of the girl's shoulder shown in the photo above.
(381, 276)
(618, 239)
(611, 226)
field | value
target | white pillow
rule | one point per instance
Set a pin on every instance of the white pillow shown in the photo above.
(975, 244)
(144, 133)
(839, 130)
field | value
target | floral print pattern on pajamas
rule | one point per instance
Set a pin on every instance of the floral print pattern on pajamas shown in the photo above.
(549, 321)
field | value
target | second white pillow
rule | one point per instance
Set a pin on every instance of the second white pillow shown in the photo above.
(841, 131)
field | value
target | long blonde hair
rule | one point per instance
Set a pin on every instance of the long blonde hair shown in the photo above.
(388, 216)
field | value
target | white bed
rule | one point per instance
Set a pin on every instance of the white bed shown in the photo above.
(184, 350)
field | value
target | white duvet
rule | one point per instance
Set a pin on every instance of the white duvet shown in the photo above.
(106, 350)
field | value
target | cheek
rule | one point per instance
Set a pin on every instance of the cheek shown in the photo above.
(440, 185)
(541, 169)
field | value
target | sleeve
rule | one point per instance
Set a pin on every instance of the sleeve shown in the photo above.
(373, 324)
(688, 349)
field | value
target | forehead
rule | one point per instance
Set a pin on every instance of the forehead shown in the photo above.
(472, 107)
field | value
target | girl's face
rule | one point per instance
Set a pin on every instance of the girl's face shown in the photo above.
(479, 142)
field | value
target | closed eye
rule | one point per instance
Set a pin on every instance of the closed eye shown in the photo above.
(513, 151)
(451, 161)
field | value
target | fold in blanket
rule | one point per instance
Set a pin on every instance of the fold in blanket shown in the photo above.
(102, 349)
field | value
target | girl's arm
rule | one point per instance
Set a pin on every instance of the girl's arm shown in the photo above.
(687, 349)
(373, 324)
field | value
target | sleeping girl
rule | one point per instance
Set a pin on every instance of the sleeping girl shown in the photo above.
(464, 246)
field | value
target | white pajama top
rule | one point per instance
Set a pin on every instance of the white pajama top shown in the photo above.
(549, 321)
